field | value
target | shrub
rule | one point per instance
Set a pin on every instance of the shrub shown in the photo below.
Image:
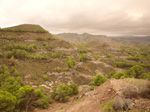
(67, 69)
(147, 76)
(63, 92)
(12, 85)
(55, 54)
(109, 55)
(96, 57)
(108, 106)
(1, 55)
(111, 74)
(17, 53)
(45, 57)
(74, 88)
(51, 38)
(58, 69)
(4, 72)
(30, 47)
(49, 48)
(38, 56)
(39, 38)
(135, 58)
(70, 62)
(120, 75)
(123, 64)
(7, 101)
(136, 71)
(45, 77)
(83, 57)
(98, 80)
(28, 97)
(84, 51)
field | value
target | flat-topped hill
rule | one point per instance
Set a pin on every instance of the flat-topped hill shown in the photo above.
(26, 28)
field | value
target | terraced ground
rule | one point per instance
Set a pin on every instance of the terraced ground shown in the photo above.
(41, 58)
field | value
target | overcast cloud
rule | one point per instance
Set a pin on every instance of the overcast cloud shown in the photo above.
(110, 17)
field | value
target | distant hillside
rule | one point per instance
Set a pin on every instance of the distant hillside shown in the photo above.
(85, 37)
(25, 28)
(142, 40)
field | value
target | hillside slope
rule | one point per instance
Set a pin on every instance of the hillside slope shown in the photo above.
(111, 91)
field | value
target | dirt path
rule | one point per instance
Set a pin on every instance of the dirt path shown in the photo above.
(91, 103)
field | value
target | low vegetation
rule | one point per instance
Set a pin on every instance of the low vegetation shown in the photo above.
(84, 57)
(63, 92)
(14, 95)
(98, 80)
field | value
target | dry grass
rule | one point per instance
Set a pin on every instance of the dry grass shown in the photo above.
(137, 88)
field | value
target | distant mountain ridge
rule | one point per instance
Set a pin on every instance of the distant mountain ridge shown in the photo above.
(85, 37)
(142, 40)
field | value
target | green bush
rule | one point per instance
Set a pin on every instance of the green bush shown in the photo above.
(120, 75)
(1, 55)
(45, 77)
(4, 72)
(96, 57)
(55, 54)
(38, 56)
(51, 38)
(9, 37)
(63, 92)
(111, 74)
(135, 58)
(45, 57)
(30, 47)
(109, 55)
(98, 80)
(12, 85)
(74, 88)
(7, 101)
(39, 38)
(123, 64)
(147, 76)
(83, 57)
(28, 97)
(58, 69)
(84, 51)
(136, 71)
(70, 62)
(49, 47)
(17, 53)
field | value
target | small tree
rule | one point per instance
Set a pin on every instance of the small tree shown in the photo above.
(7, 101)
(120, 75)
(84, 57)
(74, 88)
(99, 79)
(62, 93)
(136, 71)
(28, 98)
(70, 62)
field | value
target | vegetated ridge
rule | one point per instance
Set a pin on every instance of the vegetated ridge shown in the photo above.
(29, 55)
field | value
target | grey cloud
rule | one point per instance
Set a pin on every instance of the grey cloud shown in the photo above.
(129, 17)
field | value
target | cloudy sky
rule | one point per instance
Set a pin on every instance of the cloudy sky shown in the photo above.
(110, 17)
